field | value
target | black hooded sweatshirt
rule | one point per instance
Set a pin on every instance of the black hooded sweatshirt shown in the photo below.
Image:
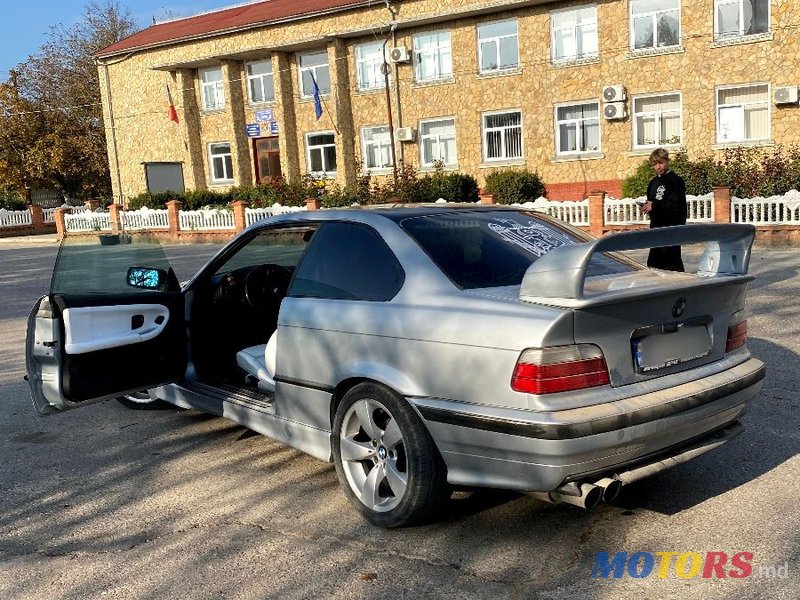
(668, 195)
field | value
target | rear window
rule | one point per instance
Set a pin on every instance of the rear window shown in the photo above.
(491, 249)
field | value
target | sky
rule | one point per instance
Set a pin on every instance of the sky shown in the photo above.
(24, 27)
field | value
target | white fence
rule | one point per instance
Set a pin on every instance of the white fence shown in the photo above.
(203, 220)
(253, 215)
(15, 218)
(574, 213)
(87, 221)
(144, 218)
(775, 210)
(626, 211)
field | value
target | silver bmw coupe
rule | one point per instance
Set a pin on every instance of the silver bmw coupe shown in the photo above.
(420, 348)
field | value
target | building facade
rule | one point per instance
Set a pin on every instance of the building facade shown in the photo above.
(579, 92)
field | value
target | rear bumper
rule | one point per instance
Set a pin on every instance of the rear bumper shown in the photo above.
(538, 451)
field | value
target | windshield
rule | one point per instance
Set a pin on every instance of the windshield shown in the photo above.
(490, 249)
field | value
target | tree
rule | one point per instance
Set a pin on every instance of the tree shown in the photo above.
(54, 105)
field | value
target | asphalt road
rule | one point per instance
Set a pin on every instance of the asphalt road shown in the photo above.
(105, 502)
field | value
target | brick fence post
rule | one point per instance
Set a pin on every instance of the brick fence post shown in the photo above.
(597, 212)
(115, 217)
(313, 203)
(37, 216)
(61, 227)
(173, 211)
(722, 204)
(239, 215)
(486, 198)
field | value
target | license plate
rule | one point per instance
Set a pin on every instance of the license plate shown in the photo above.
(671, 345)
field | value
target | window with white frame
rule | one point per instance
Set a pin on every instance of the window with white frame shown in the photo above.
(376, 147)
(574, 33)
(739, 18)
(655, 24)
(578, 128)
(314, 65)
(743, 113)
(321, 153)
(498, 46)
(437, 142)
(260, 85)
(221, 160)
(502, 135)
(433, 56)
(657, 120)
(369, 60)
(212, 89)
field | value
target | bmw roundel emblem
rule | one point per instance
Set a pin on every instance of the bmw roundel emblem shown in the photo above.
(679, 307)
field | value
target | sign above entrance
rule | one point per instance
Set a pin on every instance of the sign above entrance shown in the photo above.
(253, 130)
(265, 116)
(273, 127)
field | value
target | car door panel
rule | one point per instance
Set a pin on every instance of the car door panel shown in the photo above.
(83, 348)
(100, 327)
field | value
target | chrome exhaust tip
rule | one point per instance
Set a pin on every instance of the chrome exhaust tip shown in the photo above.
(611, 488)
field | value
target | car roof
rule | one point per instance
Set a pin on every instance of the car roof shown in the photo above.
(395, 212)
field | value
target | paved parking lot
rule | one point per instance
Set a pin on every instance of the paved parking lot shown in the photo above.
(107, 502)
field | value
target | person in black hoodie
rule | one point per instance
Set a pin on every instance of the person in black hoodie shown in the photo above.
(666, 205)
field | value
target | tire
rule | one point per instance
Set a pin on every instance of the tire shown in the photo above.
(385, 458)
(142, 401)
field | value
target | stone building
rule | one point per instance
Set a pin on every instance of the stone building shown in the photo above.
(580, 92)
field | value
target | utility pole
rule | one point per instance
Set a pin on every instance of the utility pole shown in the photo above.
(385, 71)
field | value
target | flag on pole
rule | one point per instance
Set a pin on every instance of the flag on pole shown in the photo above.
(317, 99)
(173, 114)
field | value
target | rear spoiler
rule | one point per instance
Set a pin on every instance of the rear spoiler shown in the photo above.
(561, 273)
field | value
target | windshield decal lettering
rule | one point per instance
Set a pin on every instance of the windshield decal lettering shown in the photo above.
(533, 237)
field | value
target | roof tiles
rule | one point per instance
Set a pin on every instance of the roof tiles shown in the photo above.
(224, 20)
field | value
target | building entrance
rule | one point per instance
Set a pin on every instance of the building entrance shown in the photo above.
(268, 162)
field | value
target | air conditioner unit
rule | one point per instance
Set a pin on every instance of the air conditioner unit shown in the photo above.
(399, 54)
(785, 95)
(614, 111)
(406, 134)
(614, 93)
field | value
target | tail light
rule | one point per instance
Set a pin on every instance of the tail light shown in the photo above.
(559, 369)
(737, 336)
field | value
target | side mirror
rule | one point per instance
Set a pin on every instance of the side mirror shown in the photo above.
(147, 279)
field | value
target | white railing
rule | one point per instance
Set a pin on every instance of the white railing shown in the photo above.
(253, 215)
(15, 218)
(572, 212)
(623, 211)
(87, 221)
(626, 211)
(202, 220)
(144, 218)
(49, 215)
(775, 210)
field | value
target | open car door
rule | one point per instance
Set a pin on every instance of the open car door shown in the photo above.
(113, 323)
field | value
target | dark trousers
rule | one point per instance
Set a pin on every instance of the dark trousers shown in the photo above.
(666, 257)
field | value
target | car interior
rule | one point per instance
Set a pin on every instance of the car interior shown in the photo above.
(234, 312)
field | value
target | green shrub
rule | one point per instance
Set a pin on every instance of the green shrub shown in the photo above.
(11, 203)
(749, 172)
(512, 186)
(197, 199)
(155, 201)
(453, 187)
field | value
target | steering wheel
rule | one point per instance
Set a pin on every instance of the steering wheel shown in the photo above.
(265, 286)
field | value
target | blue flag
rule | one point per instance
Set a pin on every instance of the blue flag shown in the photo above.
(317, 99)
